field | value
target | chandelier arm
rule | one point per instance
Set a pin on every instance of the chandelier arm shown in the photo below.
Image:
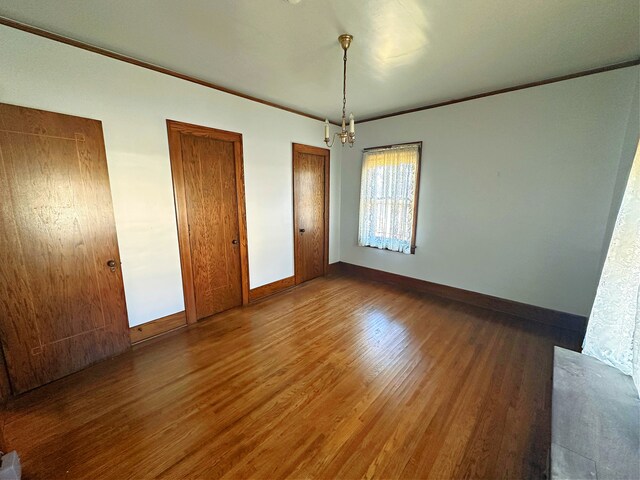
(330, 144)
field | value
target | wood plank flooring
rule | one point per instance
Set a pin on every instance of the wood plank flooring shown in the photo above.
(338, 378)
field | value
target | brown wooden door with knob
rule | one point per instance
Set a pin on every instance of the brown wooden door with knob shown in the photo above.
(208, 182)
(310, 211)
(62, 304)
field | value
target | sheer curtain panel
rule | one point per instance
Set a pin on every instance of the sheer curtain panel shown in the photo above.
(388, 196)
(613, 333)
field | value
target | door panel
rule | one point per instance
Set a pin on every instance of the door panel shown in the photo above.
(310, 177)
(212, 211)
(61, 306)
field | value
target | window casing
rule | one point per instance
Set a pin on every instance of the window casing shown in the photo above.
(389, 197)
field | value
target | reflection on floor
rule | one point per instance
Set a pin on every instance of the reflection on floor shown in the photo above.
(338, 378)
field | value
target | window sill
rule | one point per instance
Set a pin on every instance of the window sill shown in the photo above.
(411, 252)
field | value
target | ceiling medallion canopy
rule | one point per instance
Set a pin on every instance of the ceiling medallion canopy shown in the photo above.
(345, 135)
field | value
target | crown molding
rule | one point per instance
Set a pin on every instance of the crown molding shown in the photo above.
(157, 68)
(149, 66)
(522, 86)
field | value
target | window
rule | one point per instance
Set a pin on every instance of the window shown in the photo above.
(389, 196)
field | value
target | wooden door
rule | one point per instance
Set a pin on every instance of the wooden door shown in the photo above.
(62, 303)
(310, 211)
(207, 167)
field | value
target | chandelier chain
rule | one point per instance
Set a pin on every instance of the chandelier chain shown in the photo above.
(347, 133)
(344, 87)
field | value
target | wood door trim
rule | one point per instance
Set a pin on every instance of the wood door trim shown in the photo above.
(5, 390)
(326, 153)
(174, 130)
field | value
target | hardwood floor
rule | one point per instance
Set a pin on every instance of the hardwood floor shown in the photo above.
(338, 378)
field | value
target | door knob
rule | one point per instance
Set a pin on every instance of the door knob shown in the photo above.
(112, 265)
(234, 241)
(302, 230)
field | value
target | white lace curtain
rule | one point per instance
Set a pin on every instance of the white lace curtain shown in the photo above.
(387, 197)
(613, 333)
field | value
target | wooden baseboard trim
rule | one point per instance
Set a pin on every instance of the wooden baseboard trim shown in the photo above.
(272, 288)
(547, 316)
(335, 268)
(139, 333)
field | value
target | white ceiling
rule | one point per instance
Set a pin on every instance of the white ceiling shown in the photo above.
(405, 53)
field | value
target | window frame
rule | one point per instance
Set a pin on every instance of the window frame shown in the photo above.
(414, 222)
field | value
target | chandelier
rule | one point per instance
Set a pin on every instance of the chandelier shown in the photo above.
(350, 134)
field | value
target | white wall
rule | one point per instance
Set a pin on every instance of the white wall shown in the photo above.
(133, 104)
(515, 192)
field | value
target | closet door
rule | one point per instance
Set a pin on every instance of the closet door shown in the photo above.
(62, 304)
(311, 211)
(208, 182)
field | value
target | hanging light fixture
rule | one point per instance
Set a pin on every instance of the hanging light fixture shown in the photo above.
(345, 135)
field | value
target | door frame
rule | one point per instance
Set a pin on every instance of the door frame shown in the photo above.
(174, 130)
(326, 153)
